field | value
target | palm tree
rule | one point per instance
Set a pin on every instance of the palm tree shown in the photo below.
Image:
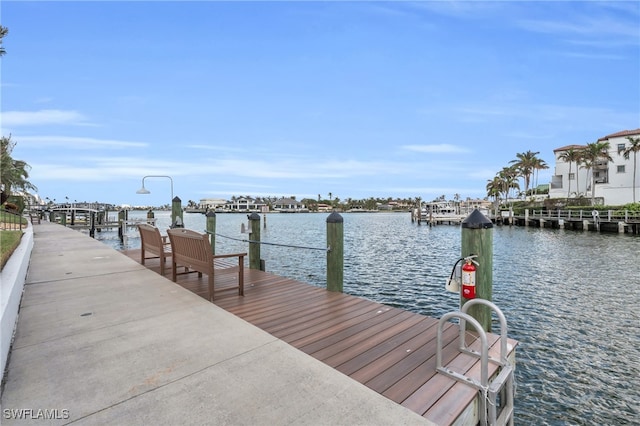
(509, 176)
(13, 173)
(456, 199)
(634, 147)
(580, 161)
(570, 156)
(593, 153)
(3, 32)
(539, 164)
(494, 188)
(525, 164)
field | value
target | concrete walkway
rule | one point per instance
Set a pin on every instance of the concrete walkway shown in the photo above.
(103, 340)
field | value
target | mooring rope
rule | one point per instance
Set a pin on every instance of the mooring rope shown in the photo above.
(244, 240)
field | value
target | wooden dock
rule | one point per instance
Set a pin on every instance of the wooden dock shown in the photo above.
(618, 221)
(387, 349)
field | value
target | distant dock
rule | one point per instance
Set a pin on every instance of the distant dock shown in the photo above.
(615, 221)
(581, 220)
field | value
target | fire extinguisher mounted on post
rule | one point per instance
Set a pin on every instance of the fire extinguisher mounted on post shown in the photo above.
(469, 277)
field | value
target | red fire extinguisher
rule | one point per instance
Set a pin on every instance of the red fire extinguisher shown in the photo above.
(469, 279)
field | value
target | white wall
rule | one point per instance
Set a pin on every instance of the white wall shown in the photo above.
(12, 279)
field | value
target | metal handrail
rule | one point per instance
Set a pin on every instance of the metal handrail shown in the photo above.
(608, 215)
(503, 327)
(484, 350)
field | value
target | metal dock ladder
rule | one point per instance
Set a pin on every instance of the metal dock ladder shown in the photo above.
(501, 385)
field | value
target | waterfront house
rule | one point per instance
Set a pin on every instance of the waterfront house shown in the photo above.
(289, 205)
(322, 207)
(212, 203)
(245, 204)
(613, 179)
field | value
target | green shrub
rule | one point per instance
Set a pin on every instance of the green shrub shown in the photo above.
(632, 207)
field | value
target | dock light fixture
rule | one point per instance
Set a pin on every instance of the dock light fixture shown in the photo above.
(144, 190)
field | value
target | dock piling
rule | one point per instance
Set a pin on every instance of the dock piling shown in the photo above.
(254, 245)
(176, 213)
(335, 254)
(477, 239)
(211, 229)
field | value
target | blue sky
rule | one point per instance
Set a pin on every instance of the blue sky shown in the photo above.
(360, 99)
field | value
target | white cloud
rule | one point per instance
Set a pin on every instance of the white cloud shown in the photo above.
(72, 142)
(43, 117)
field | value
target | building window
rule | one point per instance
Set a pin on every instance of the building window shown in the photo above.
(620, 169)
(620, 148)
(556, 181)
(572, 176)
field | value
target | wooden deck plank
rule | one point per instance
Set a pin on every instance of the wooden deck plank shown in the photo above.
(382, 343)
(399, 362)
(327, 321)
(359, 343)
(300, 309)
(390, 350)
(337, 330)
(405, 385)
(354, 341)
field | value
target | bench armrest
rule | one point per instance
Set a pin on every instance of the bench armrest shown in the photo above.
(221, 256)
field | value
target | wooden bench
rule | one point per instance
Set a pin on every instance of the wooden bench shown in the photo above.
(193, 251)
(154, 243)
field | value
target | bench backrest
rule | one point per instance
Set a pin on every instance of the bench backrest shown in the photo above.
(150, 237)
(191, 249)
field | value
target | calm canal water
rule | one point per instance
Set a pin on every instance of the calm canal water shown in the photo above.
(570, 297)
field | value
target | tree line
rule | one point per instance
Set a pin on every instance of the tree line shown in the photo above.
(14, 173)
(525, 166)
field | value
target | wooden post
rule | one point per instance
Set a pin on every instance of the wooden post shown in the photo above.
(92, 228)
(100, 220)
(335, 255)
(254, 247)
(121, 220)
(211, 229)
(477, 239)
(176, 213)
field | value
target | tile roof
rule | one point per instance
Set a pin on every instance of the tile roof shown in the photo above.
(620, 134)
(568, 147)
(604, 138)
